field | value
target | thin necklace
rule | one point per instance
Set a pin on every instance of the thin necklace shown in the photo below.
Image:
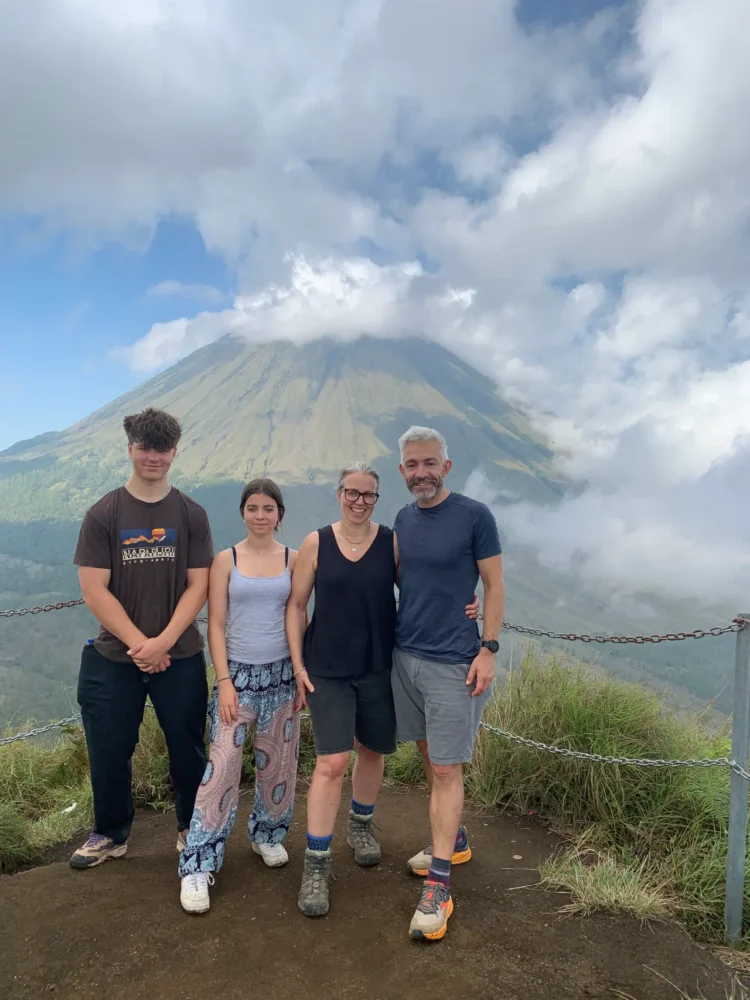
(351, 541)
(261, 553)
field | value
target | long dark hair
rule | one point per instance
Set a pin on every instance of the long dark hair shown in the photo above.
(268, 488)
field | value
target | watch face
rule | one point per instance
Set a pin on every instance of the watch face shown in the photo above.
(492, 644)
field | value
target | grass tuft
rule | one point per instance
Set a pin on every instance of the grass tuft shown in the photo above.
(598, 881)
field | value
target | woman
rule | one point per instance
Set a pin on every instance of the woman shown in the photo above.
(342, 666)
(249, 586)
(342, 669)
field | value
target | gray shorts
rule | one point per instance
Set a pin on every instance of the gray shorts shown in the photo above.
(434, 703)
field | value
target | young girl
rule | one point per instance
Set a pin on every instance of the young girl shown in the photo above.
(248, 590)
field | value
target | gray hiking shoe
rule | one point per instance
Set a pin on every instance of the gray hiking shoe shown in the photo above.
(313, 893)
(362, 840)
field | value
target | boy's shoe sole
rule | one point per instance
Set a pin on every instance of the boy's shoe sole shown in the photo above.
(458, 858)
(418, 935)
(118, 851)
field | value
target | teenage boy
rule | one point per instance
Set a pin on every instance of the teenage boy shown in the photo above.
(143, 556)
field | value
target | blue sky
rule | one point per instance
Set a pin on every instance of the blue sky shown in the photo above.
(63, 307)
(556, 191)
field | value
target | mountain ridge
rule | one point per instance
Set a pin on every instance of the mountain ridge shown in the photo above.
(297, 413)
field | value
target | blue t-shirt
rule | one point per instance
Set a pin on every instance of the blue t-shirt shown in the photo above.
(439, 548)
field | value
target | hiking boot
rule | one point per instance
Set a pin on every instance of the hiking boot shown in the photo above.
(182, 836)
(430, 921)
(96, 850)
(362, 840)
(274, 855)
(313, 894)
(194, 892)
(420, 863)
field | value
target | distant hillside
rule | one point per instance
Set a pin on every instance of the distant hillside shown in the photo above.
(294, 412)
(297, 413)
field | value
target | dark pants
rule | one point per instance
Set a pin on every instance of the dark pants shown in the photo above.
(342, 708)
(112, 697)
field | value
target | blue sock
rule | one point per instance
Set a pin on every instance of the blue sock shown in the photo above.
(440, 871)
(319, 843)
(359, 810)
(462, 839)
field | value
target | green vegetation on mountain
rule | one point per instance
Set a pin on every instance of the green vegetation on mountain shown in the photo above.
(297, 413)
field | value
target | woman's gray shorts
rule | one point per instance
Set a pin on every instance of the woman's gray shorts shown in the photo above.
(434, 703)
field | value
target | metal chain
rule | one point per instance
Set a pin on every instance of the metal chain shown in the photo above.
(596, 758)
(38, 610)
(698, 633)
(42, 729)
(607, 759)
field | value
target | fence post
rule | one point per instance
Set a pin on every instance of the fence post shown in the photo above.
(738, 790)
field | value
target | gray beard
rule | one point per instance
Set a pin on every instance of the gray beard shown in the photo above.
(437, 487)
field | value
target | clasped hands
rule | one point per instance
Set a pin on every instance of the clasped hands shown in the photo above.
(151, 655)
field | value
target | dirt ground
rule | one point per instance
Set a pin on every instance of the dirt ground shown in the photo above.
(119, 932)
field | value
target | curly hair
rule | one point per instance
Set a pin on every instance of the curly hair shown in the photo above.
(153, 429)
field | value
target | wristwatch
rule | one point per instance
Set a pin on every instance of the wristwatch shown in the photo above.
(492, 644)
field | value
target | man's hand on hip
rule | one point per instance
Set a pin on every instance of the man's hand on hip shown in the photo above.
(482, 671)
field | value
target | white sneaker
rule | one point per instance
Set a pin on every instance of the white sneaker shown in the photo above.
(274, 855)
(194, 892)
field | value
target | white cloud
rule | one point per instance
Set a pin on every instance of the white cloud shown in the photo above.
(337, 298)
(178, 289)
(581, 195)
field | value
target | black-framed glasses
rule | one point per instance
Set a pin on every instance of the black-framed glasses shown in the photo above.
(369, 498)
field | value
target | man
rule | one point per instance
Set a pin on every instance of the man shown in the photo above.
(442, 672)
(144, 553)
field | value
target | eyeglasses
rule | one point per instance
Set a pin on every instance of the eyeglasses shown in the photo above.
(369, 498)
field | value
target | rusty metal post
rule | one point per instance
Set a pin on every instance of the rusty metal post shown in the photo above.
(738, 790)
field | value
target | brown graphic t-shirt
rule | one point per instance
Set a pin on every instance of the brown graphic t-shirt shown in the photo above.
(149, 547)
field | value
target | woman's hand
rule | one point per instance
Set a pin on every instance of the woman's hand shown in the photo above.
(304, 684)
(472, 610)
(229, 703)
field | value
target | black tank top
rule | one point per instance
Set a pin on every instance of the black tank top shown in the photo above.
(354, 619)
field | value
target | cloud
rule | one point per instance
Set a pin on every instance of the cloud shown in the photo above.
(564, 207)
(177, 289)
(337, 298)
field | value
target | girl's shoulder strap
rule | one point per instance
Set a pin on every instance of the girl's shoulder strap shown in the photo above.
(234, 555)
(286, 556)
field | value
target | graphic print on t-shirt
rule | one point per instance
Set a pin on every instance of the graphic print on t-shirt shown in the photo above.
(148, 545)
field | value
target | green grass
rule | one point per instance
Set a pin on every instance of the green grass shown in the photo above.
(661, 832)
(649, 840)
(45, 793)
(599, 881)
(668, 823)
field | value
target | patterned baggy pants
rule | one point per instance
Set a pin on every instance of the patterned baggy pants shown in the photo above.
(266, 701)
